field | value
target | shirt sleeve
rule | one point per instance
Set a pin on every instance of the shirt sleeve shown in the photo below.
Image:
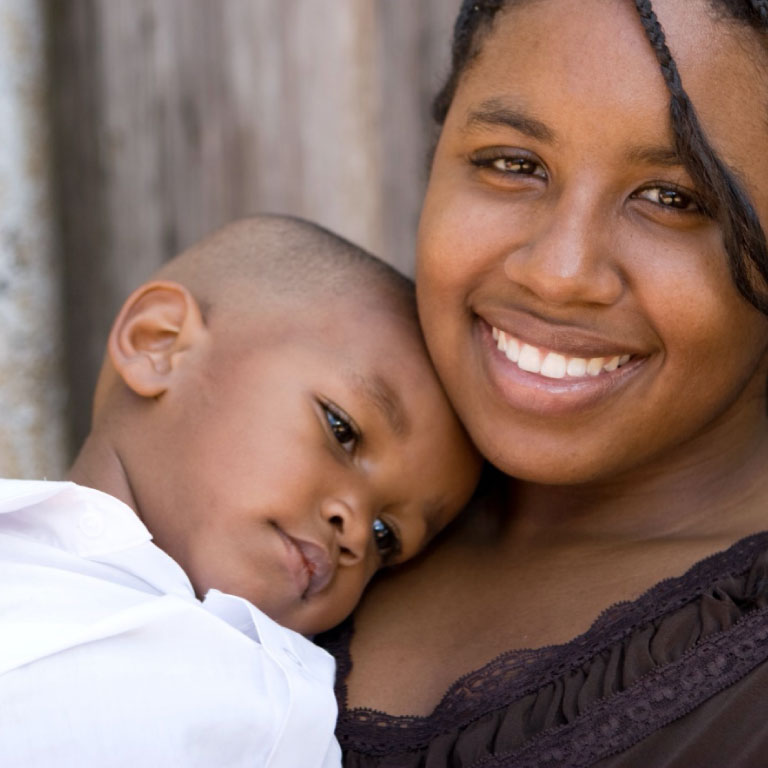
(175, 686)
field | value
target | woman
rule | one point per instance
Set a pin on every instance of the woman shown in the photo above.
(591, 279)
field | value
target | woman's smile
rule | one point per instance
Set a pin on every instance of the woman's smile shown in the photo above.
(552, 364)
(548, 380)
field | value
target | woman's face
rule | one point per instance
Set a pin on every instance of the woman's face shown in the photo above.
(576, 301)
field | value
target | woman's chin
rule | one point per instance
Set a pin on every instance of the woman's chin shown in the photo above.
(535, 459)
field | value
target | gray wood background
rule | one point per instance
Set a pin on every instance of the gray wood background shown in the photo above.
(32, 394)
(171, 117)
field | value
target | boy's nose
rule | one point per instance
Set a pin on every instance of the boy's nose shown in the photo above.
(351, 526)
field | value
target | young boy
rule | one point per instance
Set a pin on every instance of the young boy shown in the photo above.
(267, 433)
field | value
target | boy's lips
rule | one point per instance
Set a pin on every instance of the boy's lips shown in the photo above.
(309, 563)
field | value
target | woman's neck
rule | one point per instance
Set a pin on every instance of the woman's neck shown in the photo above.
(710, 487)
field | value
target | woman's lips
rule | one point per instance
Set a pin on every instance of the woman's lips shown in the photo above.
(553, 364)
(550, 381)
(309, 564)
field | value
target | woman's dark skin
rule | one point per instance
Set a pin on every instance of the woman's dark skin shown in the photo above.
(558, 212)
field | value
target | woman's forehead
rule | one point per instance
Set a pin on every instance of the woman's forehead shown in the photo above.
(568, 56)
(566, 37)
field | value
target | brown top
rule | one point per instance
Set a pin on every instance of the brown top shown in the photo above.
(674, 678)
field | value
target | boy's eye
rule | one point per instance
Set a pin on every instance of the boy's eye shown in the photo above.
(341, 427)
(386, 540)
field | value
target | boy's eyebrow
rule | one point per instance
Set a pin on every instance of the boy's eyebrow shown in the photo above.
(432, 513)
(495, 112)
(386, 400)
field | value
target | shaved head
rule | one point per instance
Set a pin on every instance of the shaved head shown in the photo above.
(263, 278)
(273, 259)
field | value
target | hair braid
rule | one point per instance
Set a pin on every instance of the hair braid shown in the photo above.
(724, 199)
(472, 14)
(658, 41)
(760, 7)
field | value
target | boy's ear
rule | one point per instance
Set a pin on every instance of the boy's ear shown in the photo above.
(158, 321)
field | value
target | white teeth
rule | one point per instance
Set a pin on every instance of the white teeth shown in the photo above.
(513, 349)
(553, 366)
(530, 359)
(508, 345)
(595, 365)
(577, 366)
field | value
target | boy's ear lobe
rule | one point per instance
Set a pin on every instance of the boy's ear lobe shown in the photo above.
(158, 321)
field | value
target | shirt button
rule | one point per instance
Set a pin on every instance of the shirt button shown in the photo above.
(91, 524)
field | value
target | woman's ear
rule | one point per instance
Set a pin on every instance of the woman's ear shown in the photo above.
(158, 321)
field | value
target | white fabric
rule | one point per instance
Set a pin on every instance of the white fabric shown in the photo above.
(107, 658)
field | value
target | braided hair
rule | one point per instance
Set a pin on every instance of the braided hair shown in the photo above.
(723, 196)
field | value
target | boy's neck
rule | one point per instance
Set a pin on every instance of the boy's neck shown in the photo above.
(98, 466)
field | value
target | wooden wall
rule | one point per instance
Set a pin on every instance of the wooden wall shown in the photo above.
(172, 117)
(32, 394)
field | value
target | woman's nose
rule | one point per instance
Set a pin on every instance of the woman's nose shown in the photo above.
(567, 258)
(351, 526)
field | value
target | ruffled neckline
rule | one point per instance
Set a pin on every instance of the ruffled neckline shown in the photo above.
(516, 674)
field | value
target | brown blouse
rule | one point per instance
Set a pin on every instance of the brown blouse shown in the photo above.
(674, 678)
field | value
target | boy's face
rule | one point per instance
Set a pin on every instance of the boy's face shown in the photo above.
(302, 454)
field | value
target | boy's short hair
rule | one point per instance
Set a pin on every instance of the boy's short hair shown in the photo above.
(282, 257)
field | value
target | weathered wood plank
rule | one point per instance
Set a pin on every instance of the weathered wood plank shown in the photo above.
(32, 426)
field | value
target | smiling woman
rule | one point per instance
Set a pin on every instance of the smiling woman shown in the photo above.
(591, 285)
(578, 233)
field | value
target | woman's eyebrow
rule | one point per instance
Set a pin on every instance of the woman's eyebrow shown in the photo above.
(494, 112)
(654, 155)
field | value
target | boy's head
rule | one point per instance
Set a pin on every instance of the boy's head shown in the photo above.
(268, 409)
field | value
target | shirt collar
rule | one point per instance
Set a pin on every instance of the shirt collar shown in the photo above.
(74, 518)
(92, 525)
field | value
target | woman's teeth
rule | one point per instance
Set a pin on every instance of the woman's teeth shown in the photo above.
(552, 364)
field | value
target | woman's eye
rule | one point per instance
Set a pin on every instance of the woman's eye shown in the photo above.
(386, 540)
(507, 163)
(522, 165)
(343, 431)
(669, 197)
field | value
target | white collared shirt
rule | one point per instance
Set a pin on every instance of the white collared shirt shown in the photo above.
(108, 659)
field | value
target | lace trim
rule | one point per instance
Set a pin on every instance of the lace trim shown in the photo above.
(662, 696)
(515, 674)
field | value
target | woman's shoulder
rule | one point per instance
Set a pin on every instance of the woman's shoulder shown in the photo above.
(677, 652)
